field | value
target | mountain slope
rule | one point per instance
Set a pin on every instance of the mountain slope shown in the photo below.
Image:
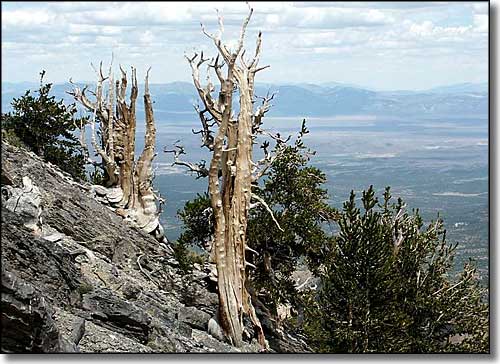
(77, 278)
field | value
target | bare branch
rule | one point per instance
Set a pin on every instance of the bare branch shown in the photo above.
(83, 143)
(218, 42)
(204, 93)
(242, 33)
(250, 265)
(261, 111)
(96, 146)
(206, 134)
(161, 200)
(218, 69)
(268, 160)
(255, 60)
(221, 23)
(202, 60)
(134, 91)
(277, 137)
(111, 105)
(303, 284)
(261, 68)
(199, 168)
(258, 198)
(140, 267)
(144, 169)
(79, 95)
(251, 250)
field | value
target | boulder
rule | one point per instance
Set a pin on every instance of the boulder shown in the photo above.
(27, 319)
(194, 317)
(25, 201)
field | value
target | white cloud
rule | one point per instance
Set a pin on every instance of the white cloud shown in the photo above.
(24, 19)
(330, 18)
(373, 4)
(301, 40)
(481, 23)
(94, 29)
(480, 8)
(405, 36)
(147, 37)
(427, 30)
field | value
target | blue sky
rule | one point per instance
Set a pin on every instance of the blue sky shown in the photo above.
(380, 45)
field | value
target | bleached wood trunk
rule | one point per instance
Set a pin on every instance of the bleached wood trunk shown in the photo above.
(130, 182)
(145, 199)
(125, 136)
(230, 174)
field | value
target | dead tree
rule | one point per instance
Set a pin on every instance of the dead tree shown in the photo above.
(129, 183)
(231, 172)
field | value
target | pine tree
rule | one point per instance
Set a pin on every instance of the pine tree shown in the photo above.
(45, 126)
(386, 286)
(294, 191)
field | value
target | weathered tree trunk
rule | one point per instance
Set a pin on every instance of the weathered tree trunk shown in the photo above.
(129, 183)
(231, 174)
(125, 136)
(145, 199)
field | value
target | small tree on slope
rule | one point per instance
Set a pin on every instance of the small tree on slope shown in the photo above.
(45, 126)
(386, 287)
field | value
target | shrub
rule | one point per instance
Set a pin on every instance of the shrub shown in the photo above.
(45, 126)
(386, 286)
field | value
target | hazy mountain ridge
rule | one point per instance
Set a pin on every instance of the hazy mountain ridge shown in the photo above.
(310, 100)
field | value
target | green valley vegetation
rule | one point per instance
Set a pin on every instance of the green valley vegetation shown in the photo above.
(46, 126)
(198, 228)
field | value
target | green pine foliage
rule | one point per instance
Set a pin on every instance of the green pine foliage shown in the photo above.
(186, 257)
(386, 282)
(198, 229)
(294, 191)
(45, 126)
(196, 217)
(386, 286)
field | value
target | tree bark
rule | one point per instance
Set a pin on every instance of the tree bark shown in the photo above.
(231, 174)
(145, 199)
(130, 183)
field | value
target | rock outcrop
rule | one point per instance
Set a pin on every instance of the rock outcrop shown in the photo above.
(76, 277)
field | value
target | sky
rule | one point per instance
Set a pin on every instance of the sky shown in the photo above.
(378, 45)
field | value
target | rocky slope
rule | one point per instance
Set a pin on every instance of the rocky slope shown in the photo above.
(78, 278)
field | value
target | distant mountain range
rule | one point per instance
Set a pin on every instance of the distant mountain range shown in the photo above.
(175, 100)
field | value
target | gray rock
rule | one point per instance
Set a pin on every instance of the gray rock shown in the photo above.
(54, 237)
(25, 201)
(98, 339)
(99, 190)
(71, 327)
(194, 317)
(44, 264)
(27, 323)
(130, 291)
(86, 290)
(111, 311)
(215, 330)
(78, 330)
